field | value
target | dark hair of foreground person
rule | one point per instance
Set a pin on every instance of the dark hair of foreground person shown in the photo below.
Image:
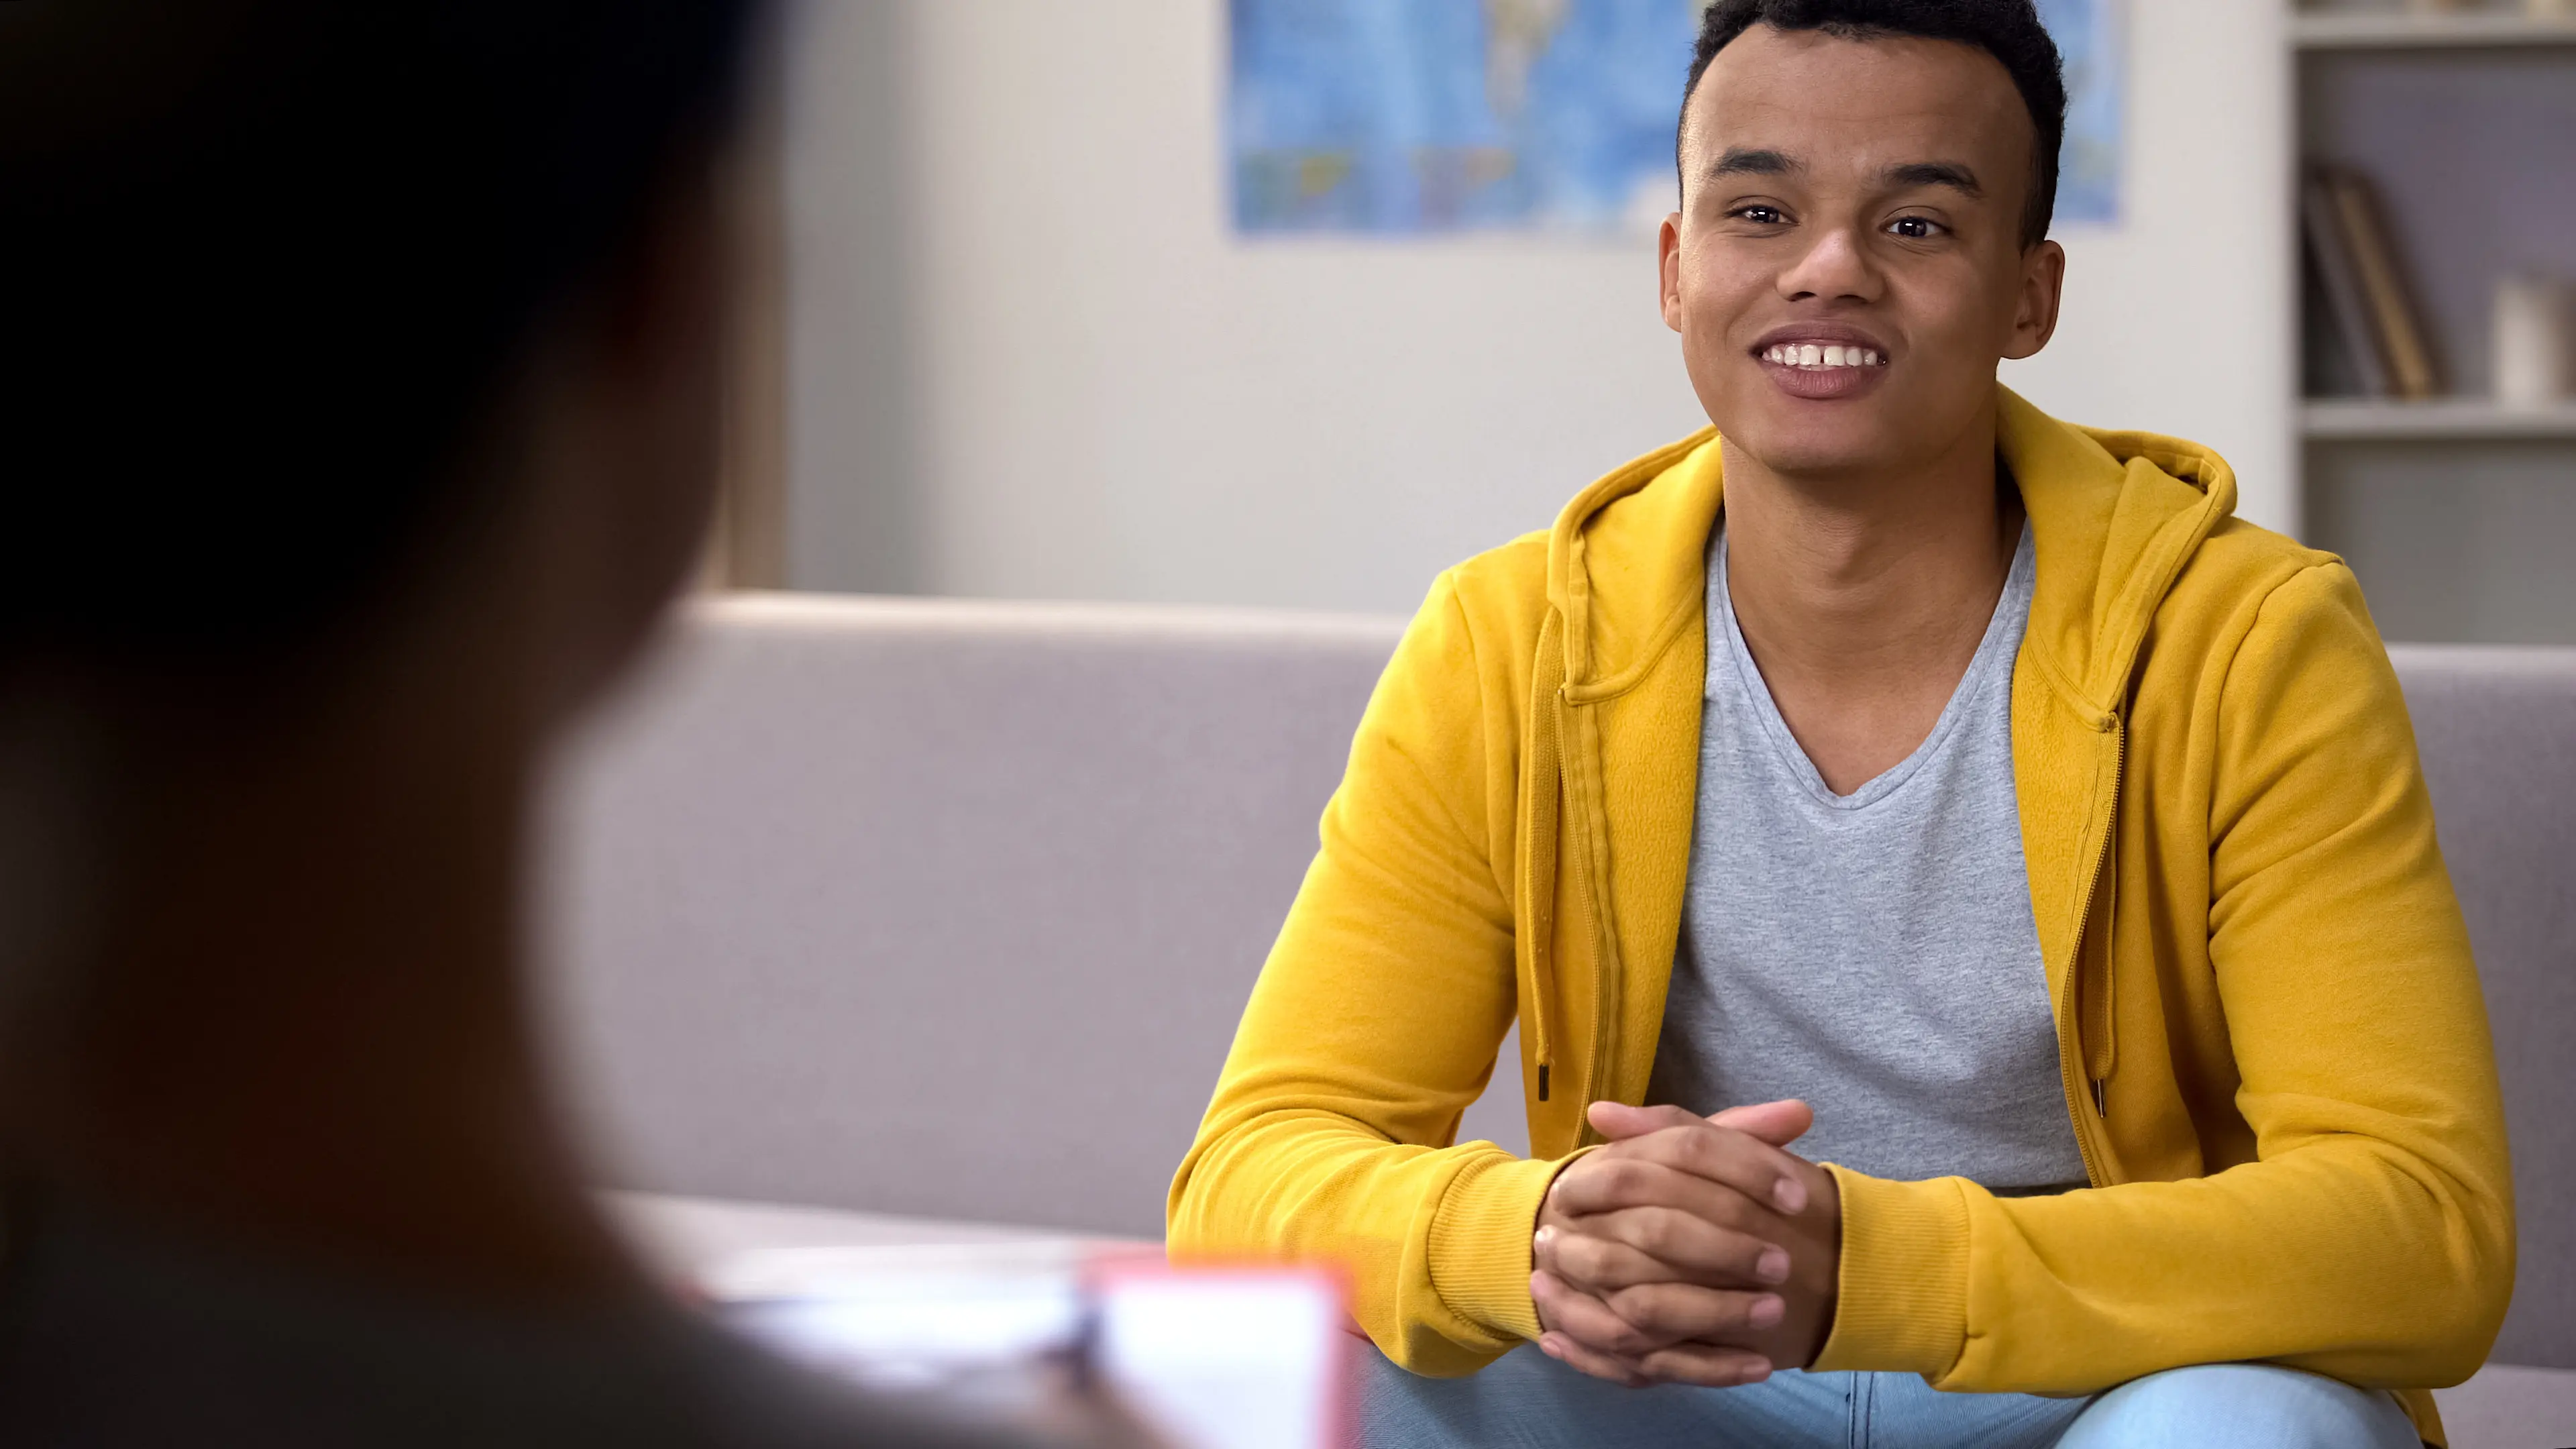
(360, 417)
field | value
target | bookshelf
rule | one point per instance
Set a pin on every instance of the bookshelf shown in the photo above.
(2361, 420)
(2458, 513)
(2374, 30)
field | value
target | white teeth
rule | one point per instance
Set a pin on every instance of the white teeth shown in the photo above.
(1792, 354)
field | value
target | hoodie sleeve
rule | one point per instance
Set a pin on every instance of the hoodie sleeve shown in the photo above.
(2371, 1236)
(1375, 1023)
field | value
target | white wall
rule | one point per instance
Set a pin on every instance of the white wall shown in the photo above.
(1029, 358)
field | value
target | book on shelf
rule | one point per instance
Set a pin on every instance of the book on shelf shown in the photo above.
(2374, 308)
(2340, 280)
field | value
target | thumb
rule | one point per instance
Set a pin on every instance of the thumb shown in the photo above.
(1618, 1121)
(1778, 1123)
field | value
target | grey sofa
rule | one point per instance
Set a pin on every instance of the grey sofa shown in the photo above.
(948, 909)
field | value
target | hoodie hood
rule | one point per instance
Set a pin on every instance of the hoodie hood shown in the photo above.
(1626, 565)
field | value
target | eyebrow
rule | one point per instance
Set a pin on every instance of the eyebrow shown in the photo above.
(1936, 173)
(1743, 161)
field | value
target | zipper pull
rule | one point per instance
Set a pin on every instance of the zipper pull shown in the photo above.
(2101, 1107)
(1542, 1081)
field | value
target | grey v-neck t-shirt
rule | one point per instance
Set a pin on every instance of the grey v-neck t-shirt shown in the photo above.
(1872, 953)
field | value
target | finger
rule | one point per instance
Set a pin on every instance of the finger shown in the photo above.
(1600, 1365)
(1778, 1123)
(1593, 1265)
(1598, 1266)
(1618, 1121)
(1608, 1251)
(1589, 1321)
(1659, 1315)
(1725, 1156)
(1603, 1183)
(1708, 1366)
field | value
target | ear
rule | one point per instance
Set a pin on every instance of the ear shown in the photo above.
(2043, 283)
(1668, 266)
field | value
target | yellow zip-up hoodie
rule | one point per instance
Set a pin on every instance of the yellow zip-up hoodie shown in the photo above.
(2275, 1055)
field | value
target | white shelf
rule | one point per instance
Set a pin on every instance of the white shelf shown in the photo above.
(2464, 419)
(2400, 30)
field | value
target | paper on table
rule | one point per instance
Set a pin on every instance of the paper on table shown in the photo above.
(1228, 1358)
(1212, 1357)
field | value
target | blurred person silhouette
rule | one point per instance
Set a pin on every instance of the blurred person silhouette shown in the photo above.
(361, 409)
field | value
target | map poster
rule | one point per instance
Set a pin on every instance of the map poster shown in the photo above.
(1405, 117)
(2088, 35)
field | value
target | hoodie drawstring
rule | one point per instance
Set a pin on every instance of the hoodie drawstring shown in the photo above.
(2098, 999)
(1540, 787)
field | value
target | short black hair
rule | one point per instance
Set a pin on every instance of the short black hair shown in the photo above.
(270, 263)
(2008, 30)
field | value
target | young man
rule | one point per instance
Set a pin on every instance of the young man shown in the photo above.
(360, 407)
(1897, 779)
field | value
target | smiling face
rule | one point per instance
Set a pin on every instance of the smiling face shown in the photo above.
(1847, 266)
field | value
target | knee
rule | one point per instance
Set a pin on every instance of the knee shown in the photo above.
(1401, 1410)
(2223, 1406)
(1523, 1398)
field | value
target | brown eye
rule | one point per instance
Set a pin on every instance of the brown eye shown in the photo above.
(1914, 228)
(1761, 215)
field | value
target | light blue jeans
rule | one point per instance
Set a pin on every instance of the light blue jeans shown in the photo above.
(1531, 1401)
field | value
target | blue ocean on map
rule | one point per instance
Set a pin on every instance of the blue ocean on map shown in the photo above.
(1429, 116)
(2088, 35)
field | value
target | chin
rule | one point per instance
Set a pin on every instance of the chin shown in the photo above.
(1811, 446)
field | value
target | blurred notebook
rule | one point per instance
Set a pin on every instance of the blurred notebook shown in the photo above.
(1211, 1357)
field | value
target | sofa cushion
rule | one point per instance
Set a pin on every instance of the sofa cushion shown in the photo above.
(2509, 1407)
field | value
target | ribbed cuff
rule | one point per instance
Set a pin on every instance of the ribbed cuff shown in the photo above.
(1480, 1243)
(1902, 1306)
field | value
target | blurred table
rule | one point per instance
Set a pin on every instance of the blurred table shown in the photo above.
(698, 1240)
(706, 1242)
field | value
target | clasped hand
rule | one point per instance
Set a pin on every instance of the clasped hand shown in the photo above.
(1690, 1249)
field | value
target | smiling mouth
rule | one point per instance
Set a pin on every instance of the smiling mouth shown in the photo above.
(1814, 357)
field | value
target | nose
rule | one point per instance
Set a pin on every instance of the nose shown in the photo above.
(1834, 267)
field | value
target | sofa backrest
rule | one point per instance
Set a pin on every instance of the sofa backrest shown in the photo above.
(939, 908)
(2497, 730)
(950, 908)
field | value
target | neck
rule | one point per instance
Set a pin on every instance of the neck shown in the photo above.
(1872, 577)
(1862, 599)
(298, 1024)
